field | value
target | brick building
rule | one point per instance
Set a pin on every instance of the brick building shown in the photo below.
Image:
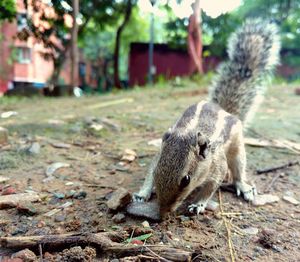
(21, 62)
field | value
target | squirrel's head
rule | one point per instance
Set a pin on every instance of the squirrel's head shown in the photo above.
(183, 162)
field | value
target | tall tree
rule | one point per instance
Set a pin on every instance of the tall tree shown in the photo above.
(74, 49)
(128, 11)
(195, 37)
(7, 10)
(51, 25)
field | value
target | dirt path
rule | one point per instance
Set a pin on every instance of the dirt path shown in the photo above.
(90, 135)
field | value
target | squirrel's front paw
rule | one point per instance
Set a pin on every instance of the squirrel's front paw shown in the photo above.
(248, 191)
(198, 208)
(137, 197)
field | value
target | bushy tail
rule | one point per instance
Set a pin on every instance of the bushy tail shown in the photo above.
(253, 54)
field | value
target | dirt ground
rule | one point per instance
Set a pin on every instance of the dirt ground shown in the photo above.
(66, 130)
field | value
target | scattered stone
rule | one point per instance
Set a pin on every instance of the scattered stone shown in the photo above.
(16, 199)
(260, 251)
(96, 127)
(250, 230)
(48, 257)
(70, 193)
(60, 218)
(55, 166)
(119, 198)
(3, 135)
(34, 149)
(26, 255)
(59, 195)
(129, 155)
(3, 179)
(119, 218)
(149, 210)
(26, 209)
(261, 200)
(146, 224)
(291, 200)
(80, 195)
(212, 205)
(8, 191)
(8, 114)
(41, 224)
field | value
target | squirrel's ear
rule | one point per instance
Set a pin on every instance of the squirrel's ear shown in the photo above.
(166, 136)
(203, 146)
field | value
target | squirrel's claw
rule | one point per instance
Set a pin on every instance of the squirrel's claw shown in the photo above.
(248, 191)
(198, 208)
(138, 198)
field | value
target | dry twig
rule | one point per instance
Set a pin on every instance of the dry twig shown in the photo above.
(272, 169)
(108, 242)
(229, 241)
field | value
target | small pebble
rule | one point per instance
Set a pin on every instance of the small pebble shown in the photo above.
(250, 230)
(9, 191)
(80, 195)
(59, 195)
(146, 224)
(291, 200)
(119, 218)
(259, 250)
(119, 198)
(26, 255)
(59, 218)
(41, 224)
(212, 205)
(261, 200)
(34, 149)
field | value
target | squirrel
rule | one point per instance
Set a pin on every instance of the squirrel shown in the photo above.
(207, 142)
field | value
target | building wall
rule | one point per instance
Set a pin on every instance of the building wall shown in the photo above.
(36, 71)
(167, 61)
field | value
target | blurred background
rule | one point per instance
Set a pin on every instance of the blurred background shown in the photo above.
(124, 43)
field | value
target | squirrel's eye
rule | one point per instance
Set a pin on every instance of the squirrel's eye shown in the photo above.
(185, 181)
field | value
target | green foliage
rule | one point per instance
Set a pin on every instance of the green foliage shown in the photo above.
(99, 44)
(7, 10)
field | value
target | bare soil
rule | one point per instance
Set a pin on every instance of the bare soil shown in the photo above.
(135, 118)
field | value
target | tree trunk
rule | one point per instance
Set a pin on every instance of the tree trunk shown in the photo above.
(74, 50)
(195, 37)
(117, 82)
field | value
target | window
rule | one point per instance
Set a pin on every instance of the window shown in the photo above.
(94, 72)
(21, 21)
(23, 55)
